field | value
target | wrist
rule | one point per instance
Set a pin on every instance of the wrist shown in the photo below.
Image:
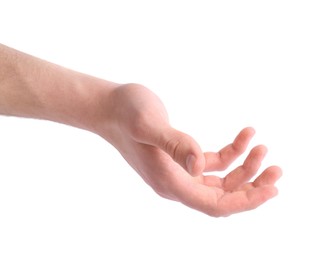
(85, 102)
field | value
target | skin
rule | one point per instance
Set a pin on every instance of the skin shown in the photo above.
(134, 120)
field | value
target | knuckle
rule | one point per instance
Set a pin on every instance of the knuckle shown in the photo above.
(172, 146)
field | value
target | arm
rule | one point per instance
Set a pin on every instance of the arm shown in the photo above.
(134, 121)
(34, 88)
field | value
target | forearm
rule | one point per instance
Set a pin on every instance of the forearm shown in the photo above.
(34, 88)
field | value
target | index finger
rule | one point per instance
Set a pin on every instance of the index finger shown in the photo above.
(221, 160)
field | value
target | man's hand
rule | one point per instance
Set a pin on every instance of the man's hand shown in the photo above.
(172, 162)
(135, 121)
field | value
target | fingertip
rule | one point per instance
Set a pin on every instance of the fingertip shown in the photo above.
(249, 130)
(242, 140)
(255, 158)
(276, 171)
(261, 149)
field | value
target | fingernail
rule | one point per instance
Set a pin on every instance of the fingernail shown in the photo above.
(190, 161)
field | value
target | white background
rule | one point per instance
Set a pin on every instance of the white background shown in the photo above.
(218, 66)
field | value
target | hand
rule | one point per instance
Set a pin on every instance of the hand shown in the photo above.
(172, 163)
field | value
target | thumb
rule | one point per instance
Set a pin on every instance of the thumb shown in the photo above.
(183, 149)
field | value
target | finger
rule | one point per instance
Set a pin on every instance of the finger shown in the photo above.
(269, 177)
(221, 160)
(215, 202)
(183, 149)
(240, 201)
(245, 172)
(213, 181)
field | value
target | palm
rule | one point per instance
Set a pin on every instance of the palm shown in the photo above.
(207, 193)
